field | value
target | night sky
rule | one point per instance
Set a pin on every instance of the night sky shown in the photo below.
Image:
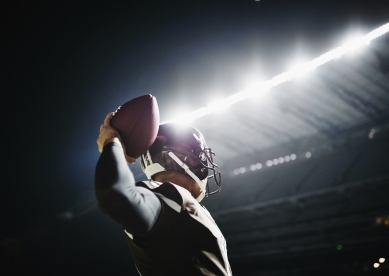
(66, 64)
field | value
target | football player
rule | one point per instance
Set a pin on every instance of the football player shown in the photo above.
(169, 232)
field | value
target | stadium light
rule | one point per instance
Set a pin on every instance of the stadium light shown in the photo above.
(283, 77)
(270, 163)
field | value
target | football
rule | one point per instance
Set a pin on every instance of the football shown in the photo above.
(137, 122)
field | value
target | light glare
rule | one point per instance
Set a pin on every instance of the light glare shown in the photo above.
(285, 76)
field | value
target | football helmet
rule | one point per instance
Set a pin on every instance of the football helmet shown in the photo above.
(182, 148)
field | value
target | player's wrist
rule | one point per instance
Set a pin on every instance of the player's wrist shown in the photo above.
(114, 140)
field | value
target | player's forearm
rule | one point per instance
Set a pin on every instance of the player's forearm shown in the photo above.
(117, 195)
(112, 168)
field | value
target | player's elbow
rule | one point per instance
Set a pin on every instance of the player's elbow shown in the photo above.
(133, 212)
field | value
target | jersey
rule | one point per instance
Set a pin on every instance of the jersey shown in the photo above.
(168, 231)
(185, 239)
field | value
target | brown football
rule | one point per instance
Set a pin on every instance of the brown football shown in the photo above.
(137, 122)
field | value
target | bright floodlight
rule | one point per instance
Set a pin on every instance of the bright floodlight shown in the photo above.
(381, 260)
(283, 77)
(376, 265)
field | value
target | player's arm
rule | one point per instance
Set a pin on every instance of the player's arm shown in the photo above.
(137, 209)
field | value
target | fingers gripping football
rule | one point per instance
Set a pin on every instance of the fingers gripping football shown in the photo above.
(109, 134)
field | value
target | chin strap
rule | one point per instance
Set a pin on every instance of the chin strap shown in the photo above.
(190, 173)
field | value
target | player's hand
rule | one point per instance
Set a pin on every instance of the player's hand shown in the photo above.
(109, 134)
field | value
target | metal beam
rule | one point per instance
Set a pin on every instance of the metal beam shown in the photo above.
(232, 213)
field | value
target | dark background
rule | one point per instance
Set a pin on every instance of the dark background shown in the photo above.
(66, 64)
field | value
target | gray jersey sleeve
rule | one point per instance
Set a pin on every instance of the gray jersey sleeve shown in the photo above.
(135, 208)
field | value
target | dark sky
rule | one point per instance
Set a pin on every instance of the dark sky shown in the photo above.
(66, 64)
